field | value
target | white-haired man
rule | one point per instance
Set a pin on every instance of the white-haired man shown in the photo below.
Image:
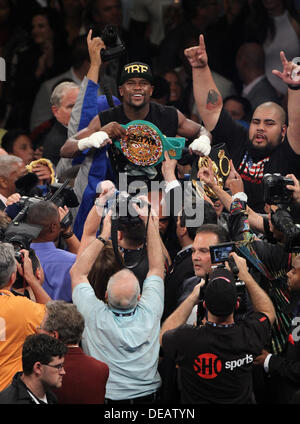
(124, 332)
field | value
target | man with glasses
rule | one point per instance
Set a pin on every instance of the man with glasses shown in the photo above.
(43, 369)
(86, 377)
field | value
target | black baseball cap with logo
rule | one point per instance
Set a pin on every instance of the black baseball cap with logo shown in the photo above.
(136, 70)
(221, 294)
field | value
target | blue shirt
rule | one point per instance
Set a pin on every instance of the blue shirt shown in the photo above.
(129, 345)
(56, 264)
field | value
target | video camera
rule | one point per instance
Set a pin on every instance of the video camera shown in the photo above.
(275, 190)
(21, 234)
(282, 221)
(114, 46)
(219, 254)
(277, 193)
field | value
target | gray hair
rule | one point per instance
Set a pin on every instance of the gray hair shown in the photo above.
(123, 301)
(64, 318)
(60, 90)
(42, 213)
(8, 263)
(6, 164)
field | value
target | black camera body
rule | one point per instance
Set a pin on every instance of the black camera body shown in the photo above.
(123, 215)
(114, 46)
(219, 254)
(283, 222)
(275, 190)
(20, 235)
(123, 209)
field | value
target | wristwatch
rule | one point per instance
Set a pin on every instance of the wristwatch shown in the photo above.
(103, 240)
(97, 203)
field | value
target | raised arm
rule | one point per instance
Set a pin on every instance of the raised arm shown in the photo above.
(34, 281)
(207, 96)
(84, 262)
(291, 76)
(259, 298)
(181, 314)
(154, 245)
(94, 217)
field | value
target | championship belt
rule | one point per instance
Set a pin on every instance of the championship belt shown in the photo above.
(221, 167)
(144, 144)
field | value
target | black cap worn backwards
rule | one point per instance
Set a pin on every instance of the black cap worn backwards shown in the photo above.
(220, 294)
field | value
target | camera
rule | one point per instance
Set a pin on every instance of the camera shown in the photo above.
(58, 193)
(282, 221)
(219, 254)
(20, 235)
(124, 215)
(114, 46)
(123, 209)
(275, 190)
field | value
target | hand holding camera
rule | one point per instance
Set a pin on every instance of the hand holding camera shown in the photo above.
(26, 271)
(143, 208)
(294, 188)
(241, 264)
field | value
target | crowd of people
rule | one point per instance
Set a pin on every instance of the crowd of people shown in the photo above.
(150, 202)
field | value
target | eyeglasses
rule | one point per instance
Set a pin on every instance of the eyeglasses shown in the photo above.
(58, 366)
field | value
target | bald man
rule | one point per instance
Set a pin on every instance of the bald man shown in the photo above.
(270, 146)
(124, 332)
(123, 290)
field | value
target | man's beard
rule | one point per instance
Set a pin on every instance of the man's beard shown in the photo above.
(139, 106)
(259, 153)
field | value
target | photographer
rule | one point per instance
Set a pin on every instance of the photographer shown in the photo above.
(56, 262)
(268, 257)
(284, 370)
(128, 325)
(19, 316)
(130, 237)
(215, 358)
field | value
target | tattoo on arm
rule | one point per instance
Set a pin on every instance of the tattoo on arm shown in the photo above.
(213, 100)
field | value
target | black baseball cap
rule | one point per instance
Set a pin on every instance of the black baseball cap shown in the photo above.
(136, 70)
(220, 294)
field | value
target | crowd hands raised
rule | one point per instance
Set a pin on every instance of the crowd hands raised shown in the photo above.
(124, 303)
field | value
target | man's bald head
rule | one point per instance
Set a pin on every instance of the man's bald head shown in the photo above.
(123, 290)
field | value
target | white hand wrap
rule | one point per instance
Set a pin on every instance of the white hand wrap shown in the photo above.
(94, 140)
(201, 144)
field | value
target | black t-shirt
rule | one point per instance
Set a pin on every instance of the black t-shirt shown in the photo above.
(215, 362)
(282, 160)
